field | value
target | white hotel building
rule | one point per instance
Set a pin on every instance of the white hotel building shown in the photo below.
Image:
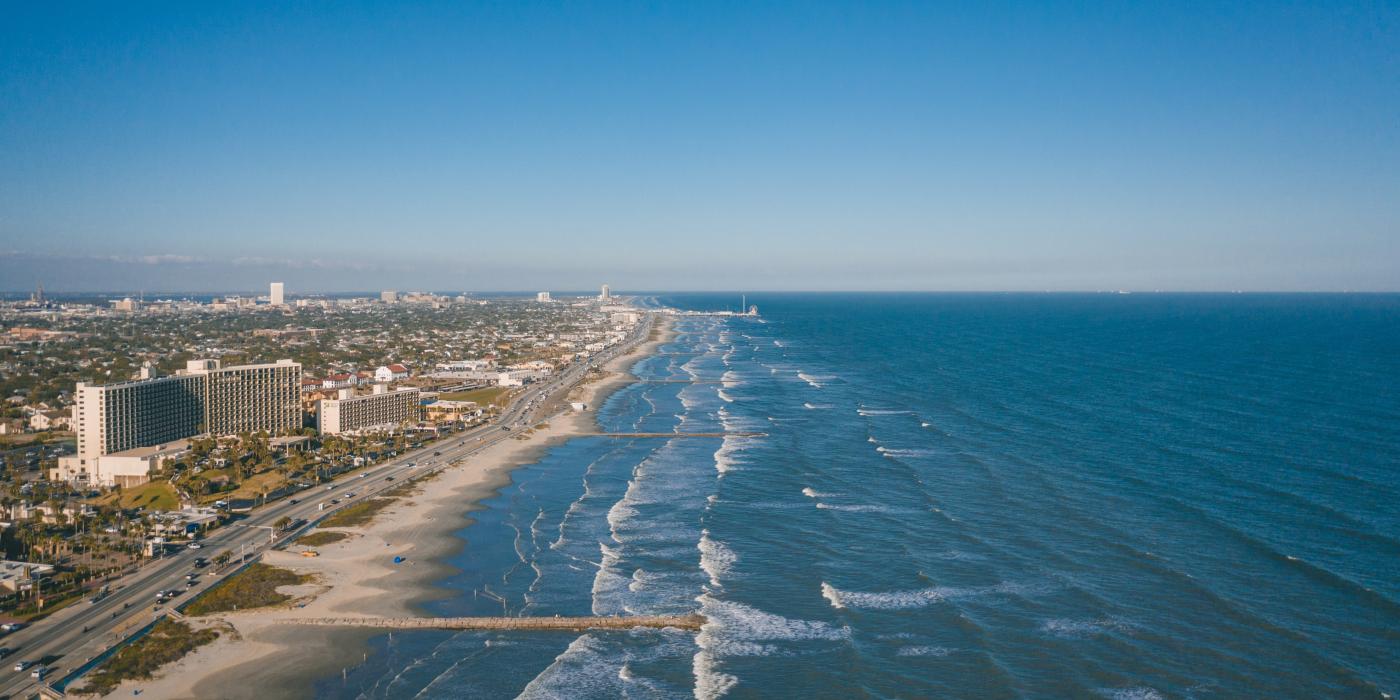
(123, 421)
(380, 410)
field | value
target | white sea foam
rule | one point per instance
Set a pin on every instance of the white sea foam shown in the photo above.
(924, 651)
(868, 412)
(715, 558)
(816, 406)
(896, 452)
(816, 381)
(738, 622)
(890, 600)
(1072, 629)
(1135, 693)
(734, 629)
(620, 514)
(710, 682)
(724, 395)
(641, 579)
(810, 493)
(724, 456)
(857, 508)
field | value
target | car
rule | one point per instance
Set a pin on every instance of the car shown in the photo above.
(293, 501)
(194, 545)
(11, 626)
(335, 501)
(330, 487)
(22, 665)
(5, 651)
(388, 478)
(437, 454)
(39, 672)
(363, 475)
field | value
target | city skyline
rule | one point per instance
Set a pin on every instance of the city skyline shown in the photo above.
(787, 146)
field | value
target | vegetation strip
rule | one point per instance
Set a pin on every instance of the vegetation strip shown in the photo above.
(253, 587)
(358, 514)
(167, 642)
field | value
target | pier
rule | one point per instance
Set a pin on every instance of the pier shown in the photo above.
(685, 622)
(674, 435)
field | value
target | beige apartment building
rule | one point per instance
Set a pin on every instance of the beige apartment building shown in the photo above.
(381, 409)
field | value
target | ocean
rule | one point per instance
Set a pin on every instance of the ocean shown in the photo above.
(957, 496)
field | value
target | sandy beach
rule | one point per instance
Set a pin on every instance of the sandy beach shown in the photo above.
(260, 655)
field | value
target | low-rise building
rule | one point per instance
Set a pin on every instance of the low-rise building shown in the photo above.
(446, 411)
(18, 576)
(391, 373)
(381, 409)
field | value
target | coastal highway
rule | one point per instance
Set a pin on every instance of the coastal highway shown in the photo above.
(71, 637)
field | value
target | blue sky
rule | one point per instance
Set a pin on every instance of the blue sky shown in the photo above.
(711, 145)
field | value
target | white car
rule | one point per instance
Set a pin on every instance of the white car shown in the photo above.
(194, 545)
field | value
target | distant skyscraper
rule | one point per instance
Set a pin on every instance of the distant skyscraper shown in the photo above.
(543, 297)
(274, 294)
(606, 293)
(388, 296)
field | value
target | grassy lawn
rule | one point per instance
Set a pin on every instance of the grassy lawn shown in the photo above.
(257, 484)
(156, 495)
(490, 395)
(320, 538)
(359, 514)
(253, 587)
(167, 642)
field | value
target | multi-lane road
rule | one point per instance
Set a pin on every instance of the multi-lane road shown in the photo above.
(69, 638)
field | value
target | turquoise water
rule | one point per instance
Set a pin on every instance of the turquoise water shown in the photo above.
(1126, 496)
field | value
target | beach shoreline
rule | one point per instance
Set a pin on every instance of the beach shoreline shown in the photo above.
(269, 656)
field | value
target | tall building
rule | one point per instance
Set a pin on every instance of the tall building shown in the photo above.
(388, 296)
(606, 293)
(382, 409)
(274, 294)
(543, 297)
(250, 398)
(120, 419)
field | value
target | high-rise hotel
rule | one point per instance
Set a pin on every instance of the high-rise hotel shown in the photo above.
(122, 428)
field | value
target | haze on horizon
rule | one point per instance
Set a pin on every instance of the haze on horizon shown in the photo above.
(782, 145)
